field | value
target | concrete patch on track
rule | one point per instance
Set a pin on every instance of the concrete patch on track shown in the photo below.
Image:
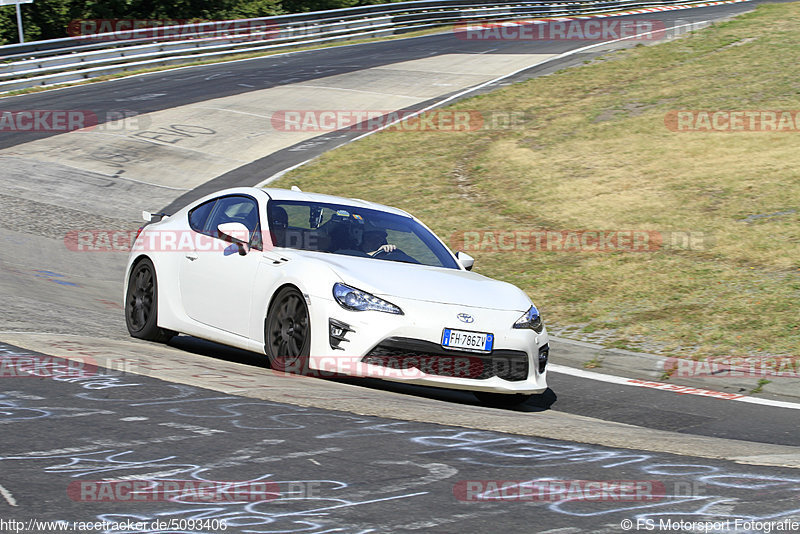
(478, 65)
(186, 146)
(433, 76)
(61, 186)
(252, 380)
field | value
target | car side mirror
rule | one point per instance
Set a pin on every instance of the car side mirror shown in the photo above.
(465, 260)
(236, 233)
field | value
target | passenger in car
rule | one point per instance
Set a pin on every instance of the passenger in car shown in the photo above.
(342, 238)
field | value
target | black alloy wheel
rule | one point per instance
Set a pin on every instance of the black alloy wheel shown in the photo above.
(287, 332)
(141, 304)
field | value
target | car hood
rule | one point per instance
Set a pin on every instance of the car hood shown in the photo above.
(419, 282)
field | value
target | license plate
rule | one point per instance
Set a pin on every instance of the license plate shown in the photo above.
(462, 339)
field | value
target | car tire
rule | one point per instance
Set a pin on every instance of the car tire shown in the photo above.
(141, 304)
(287, 332)
(500, 400)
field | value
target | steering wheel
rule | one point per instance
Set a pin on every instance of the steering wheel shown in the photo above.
(382, 253)
(396, 255)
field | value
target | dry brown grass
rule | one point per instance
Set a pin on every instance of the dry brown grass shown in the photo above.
(594, 153)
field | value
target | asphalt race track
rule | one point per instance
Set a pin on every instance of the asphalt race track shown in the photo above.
(310, 470)
(313, 455)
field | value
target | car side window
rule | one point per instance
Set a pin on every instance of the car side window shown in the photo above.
(239, 209)
(199, 215)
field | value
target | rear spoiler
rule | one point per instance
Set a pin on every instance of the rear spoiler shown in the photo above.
(148, 217)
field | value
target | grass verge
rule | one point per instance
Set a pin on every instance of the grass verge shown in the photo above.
(591, 151)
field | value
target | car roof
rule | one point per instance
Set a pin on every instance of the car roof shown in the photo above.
(296, 195)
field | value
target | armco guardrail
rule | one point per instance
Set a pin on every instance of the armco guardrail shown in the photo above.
(82, 57)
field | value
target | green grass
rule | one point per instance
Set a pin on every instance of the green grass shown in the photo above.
(592, 151)
(760, 386)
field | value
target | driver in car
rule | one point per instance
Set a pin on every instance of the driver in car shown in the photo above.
(374, 241)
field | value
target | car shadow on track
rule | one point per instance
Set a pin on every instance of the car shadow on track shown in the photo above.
(537, 403)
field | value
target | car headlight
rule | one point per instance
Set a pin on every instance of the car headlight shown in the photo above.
(531, 319)
(354, 299)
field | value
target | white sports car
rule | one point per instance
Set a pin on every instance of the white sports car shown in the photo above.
(335, 286)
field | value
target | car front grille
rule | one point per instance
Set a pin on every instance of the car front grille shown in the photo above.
(432, 359)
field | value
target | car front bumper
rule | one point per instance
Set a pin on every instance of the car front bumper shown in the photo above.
(408, 348)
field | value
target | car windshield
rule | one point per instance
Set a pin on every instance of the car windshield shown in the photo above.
(354, 231)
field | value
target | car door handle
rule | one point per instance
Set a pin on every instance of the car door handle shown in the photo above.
(191, 256)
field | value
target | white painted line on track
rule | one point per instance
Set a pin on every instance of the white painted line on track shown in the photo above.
(7, 496)
(347, 89)
(129, 179)
(479, 86)
(235, 111)
(674, 388)
(34, 333)
(281, 173)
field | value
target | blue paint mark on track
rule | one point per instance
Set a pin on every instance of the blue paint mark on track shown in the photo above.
(54, 277)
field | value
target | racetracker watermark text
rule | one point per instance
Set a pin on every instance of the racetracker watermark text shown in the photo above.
(562, 29)
(172, 29)
(366, 120)
(743, 120)
(42, 366)
(152, 241)
(46, 120)
(172, 490)
(559, 490)
(733, 366)
(588, 241)
(69, 120)
(400, 366)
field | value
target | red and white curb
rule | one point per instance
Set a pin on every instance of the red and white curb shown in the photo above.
(664, 8)
(674, 388)
(607, 15)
